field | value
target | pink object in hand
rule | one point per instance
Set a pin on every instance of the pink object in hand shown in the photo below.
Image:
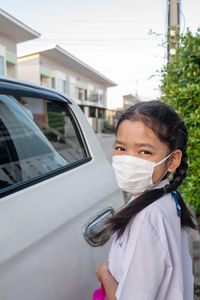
(99, 294)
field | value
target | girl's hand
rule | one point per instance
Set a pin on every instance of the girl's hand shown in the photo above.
(105, 277)
(101, 270)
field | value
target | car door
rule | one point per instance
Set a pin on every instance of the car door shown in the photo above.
(57, 189)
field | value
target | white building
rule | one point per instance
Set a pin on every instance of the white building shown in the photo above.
(55, 67)
(12, 31)
(129, 100)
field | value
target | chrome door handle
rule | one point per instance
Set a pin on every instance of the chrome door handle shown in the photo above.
(96, 231)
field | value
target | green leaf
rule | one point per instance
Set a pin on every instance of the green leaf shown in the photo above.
(180, 88)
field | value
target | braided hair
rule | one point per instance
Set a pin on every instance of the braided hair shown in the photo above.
(171, 130)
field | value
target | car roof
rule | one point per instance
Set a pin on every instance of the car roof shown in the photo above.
(9, 86)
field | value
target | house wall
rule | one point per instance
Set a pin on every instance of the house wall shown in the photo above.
(11, 70)
(29, 69)
(33, 68)
(8, 43)
(53, 65)
(89, 94)
(9, 55)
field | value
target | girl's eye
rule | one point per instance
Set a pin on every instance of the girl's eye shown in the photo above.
(145, 152)
(120, 148)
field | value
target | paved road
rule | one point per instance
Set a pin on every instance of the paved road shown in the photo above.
(107, 143)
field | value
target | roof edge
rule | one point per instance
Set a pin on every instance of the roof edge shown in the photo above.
(19, 23)
(77, 60)
(84, 64)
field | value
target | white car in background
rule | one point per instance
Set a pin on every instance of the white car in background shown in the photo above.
(57, 190)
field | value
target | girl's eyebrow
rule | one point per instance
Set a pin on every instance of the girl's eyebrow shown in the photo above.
(138, 145)
(119, 142)
(144, 145)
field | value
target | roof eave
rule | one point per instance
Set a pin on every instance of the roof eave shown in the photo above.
(62, 56)
(18, 30)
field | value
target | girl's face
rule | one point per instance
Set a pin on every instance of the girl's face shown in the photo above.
(136, 139)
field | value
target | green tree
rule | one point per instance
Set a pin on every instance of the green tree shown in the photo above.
(180, 88)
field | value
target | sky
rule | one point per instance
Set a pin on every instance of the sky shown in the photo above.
(122, 39)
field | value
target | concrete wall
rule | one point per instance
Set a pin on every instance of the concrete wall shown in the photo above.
(9, 44)
(10, 47)
(11, 70)
(29, 69)
(53, 65)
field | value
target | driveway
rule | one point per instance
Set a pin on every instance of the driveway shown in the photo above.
(107, 143)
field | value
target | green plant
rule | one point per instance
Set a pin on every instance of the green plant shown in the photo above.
(108, 128)
(56, 121)
(180, 88)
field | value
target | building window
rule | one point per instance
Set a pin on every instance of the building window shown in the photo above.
(86, 94)
(45, 81)
(101, 113)
(61, 85)
(58, 84)
(53, 85)
(92, 112)
(80, 94)
(58, 81)
(72, 86)
(92, 93)
(100, 96)
(2, 68)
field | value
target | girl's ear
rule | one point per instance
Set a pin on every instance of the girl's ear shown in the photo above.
(174, 161)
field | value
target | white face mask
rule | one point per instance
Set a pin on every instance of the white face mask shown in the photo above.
(133, 174)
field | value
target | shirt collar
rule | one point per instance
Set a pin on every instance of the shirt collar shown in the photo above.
(161, 184)
(158, 185)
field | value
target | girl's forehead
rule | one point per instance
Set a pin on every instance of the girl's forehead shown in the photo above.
(136, 128)
(136, 132)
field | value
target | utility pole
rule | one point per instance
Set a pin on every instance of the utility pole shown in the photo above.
(136, 88)
(173, 27)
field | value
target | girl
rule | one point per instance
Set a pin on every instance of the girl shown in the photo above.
(149, 257)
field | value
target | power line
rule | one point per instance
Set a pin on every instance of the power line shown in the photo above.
(93, 21)
(99, 40)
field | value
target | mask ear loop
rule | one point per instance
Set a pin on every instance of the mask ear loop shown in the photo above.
(164, 159)
(159, 163)
(160, 179)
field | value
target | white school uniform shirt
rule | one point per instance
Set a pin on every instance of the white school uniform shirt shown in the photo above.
(151, 260)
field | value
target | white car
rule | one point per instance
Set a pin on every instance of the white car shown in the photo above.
(57, 190)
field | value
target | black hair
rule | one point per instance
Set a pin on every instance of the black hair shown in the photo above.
(171, 130)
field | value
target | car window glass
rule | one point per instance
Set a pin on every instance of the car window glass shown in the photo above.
(37, 137)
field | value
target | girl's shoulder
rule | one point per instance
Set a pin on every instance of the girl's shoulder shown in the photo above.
(165, 206)
(162, 209)
(158, 216)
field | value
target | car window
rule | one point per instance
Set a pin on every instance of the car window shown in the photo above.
(37, 137)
